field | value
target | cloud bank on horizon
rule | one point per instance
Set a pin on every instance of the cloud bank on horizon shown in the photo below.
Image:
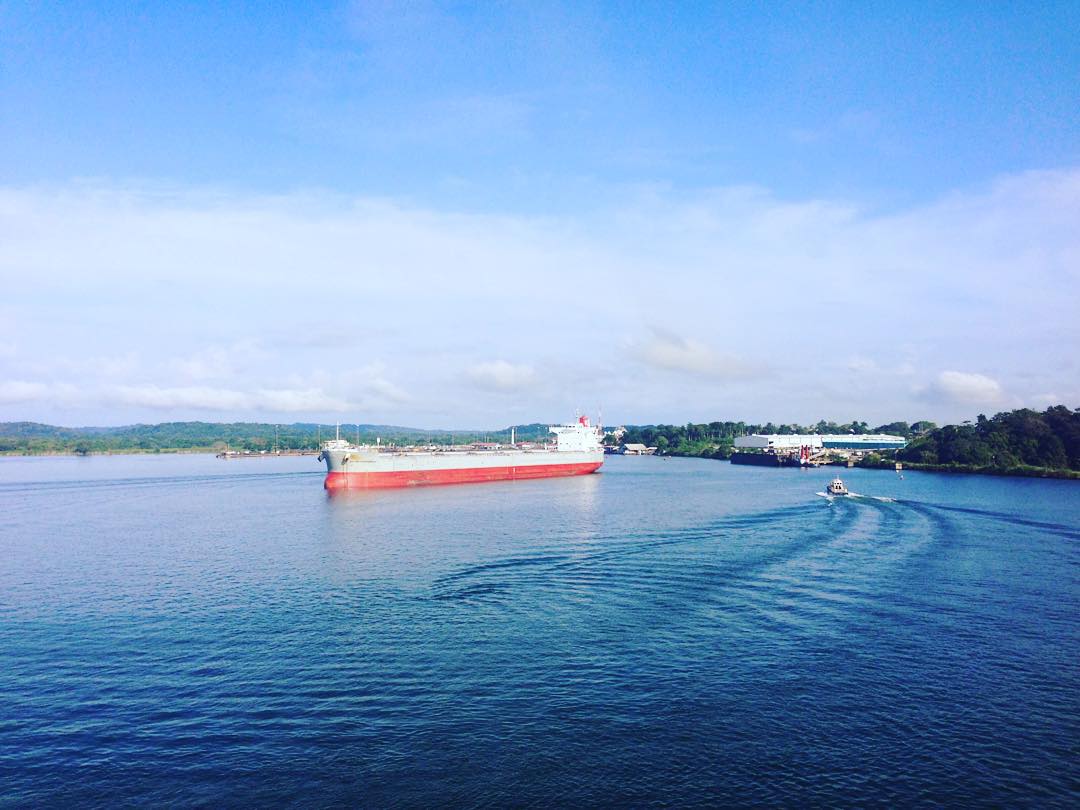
(656, 297)
(146, 304)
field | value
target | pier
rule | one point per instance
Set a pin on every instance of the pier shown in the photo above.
(230, 454)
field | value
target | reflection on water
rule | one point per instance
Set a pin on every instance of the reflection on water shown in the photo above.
(189, 630)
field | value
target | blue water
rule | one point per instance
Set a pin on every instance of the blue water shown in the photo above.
(183, 630)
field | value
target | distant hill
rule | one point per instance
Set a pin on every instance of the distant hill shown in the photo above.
(34, 437)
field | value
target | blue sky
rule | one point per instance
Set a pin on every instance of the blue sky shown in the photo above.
(469, 214)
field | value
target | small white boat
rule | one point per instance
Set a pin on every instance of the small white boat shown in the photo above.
(837, 487)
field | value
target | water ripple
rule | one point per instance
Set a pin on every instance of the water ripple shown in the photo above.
(663, 634)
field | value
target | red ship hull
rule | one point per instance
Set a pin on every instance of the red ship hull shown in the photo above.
(473, 475)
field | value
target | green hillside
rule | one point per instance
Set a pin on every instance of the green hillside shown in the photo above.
(1007, 441)
(36, 438)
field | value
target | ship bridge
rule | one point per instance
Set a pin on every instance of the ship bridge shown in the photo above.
(577, 436)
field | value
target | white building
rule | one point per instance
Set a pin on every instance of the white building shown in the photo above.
(790, 443)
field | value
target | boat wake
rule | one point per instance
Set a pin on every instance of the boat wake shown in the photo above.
(880, 498)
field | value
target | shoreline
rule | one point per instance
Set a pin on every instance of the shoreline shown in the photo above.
(956, 469)
(127, 452)
(172, 451)
(969, 469)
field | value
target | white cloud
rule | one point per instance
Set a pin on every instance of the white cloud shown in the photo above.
(113, 366)
(887, 367)
(499, 375)
(965, 388)
(369, 385)
(381, 388)
(171, 398)
(203, 398)
(863, 365)
(219, 362)
(670, 352)
(23, 391)
(371, 303)
(310, 400)
(208, 364)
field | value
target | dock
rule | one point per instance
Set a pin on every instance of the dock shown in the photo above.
(231, 454)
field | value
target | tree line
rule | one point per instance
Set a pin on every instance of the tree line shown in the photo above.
(1022, 441)
(36, 438)
(1008, 441)
(1013, 441)
(717, 439)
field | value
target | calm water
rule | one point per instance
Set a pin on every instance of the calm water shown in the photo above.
(193, 631)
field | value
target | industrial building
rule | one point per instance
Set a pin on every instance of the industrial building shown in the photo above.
(790, 443)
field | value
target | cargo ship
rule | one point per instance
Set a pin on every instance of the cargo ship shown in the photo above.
(576, 450)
